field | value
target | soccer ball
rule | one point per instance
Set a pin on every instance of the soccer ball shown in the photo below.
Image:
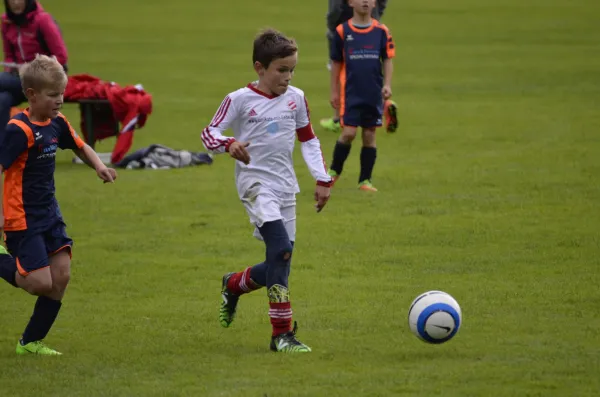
(434, 317)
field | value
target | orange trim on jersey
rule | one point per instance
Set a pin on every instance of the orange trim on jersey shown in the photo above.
(40, 123)
(340, 31)
(342, 90)
(374, 23)
(390, 48)
(78, 141)
(12, 202)
(62, 248)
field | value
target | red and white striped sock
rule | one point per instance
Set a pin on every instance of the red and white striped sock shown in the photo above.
(281, 317)
(241, 283)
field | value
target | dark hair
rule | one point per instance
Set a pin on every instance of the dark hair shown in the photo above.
(270, 45)
(20, 19)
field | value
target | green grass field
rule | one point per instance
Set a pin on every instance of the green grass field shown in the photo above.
(490, 191)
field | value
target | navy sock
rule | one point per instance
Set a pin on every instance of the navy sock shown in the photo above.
(8, 269)
(44, 313)
(340, 154)
(258, 274)
(367, 162)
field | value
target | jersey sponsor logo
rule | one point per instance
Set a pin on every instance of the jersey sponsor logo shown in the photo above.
(363, 53)
(269, 119)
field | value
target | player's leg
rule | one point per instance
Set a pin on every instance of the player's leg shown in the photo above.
(371, 120)
(235, 284)
(350, 121)
(34, 276)
(278, 236)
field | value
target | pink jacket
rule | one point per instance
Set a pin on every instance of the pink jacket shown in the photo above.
(38, 35)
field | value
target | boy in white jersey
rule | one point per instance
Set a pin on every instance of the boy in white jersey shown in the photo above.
(266, 117)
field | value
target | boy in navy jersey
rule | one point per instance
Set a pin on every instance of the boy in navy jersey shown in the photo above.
(361, 79)
(39, 250)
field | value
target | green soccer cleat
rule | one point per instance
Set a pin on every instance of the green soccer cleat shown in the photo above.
(37, 347)
(229, 303)
(331, 125)
(287, 343)
(367, 186)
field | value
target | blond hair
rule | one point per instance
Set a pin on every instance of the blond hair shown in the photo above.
(43, 72)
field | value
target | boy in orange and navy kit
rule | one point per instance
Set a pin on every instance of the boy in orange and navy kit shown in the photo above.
(361, 78)
(39, 250)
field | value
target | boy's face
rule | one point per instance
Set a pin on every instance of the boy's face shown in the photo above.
(46, 103)
(17, 6)
(362, 7)
(278, 75)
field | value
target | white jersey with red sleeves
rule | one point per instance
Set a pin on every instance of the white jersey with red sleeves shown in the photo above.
(271, 124)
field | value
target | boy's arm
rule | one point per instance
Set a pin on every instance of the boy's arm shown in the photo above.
(337, 58)
(388, 70)
(310, 146)
(70, 140)
(213, 138)
(388, 52)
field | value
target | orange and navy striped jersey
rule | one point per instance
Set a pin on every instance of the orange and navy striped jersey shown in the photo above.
(27, 155)
(361, 52)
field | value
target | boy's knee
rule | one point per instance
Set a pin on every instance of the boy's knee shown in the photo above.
(285, 250)
(61, 281)
(348, 135)
(368, 137)
(40, 287)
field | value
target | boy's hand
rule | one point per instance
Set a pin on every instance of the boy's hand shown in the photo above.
(108, 175)
(238, 151)
(335, 99)
(387, 92)
(321, 197)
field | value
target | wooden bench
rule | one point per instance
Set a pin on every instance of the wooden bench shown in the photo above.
(90, 110)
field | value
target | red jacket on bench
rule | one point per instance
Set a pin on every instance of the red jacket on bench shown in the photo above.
(131, 107)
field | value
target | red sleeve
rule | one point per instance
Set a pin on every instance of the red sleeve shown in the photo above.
(53, 38)
(9, 56)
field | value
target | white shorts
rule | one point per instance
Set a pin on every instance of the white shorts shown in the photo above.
(266, 205)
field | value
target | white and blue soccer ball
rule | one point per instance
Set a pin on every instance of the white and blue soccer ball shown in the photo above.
(434, 317)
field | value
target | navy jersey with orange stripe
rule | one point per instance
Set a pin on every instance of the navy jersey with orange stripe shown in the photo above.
(27, 154)
(361, 52)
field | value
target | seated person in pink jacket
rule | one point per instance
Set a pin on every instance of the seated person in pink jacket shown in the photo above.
(27, 30)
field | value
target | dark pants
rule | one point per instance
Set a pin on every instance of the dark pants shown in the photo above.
(11, 94)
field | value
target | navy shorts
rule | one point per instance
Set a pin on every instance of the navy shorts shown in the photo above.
(362, 116)
(33, 249)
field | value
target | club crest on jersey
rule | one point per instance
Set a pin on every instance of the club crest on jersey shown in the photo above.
(273, 128)
(292, 105)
